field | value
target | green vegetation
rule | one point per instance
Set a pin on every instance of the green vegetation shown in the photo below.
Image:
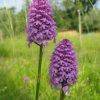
(18, 61)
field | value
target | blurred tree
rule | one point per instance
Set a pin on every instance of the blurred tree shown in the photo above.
(91, 21)
(87, 4)
(71, 8)
(66, 14)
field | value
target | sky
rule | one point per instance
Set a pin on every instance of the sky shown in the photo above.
(18, 4)
(98, 4)
(9, 3)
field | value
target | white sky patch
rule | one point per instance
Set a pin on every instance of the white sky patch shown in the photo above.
(98, 4)
(18, 3)
(12, 3)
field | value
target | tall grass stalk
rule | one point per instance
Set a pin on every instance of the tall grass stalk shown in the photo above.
(80, 27)
(11, 27)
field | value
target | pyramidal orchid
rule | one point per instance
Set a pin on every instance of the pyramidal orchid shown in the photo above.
(40, 28)
(63, 67)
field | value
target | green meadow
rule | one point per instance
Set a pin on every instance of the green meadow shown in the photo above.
(17, 61)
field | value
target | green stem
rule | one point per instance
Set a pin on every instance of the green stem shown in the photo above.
(39, 72)
(61, 95)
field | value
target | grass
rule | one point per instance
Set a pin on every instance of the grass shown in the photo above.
(18, 61)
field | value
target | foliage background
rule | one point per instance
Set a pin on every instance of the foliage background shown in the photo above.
(17, 61)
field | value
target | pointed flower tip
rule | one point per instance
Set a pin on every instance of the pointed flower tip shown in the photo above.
(40, 24)
(63, 66)
(66, 90)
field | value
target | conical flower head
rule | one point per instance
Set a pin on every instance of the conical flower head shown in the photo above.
(63, 67)
(40, 26)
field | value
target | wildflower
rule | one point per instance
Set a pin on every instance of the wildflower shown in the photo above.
(63, 67)
(40, 26)
(26, 78)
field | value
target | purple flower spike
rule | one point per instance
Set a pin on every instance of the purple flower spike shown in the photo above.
(40, 26)
(63, 67)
